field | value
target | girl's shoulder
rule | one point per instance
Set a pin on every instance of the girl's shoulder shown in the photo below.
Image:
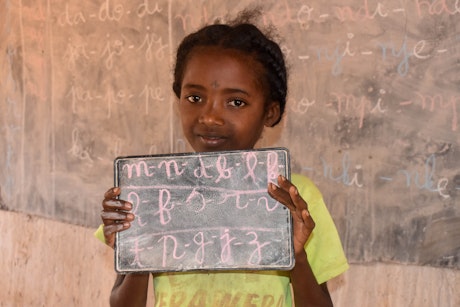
(306, 187)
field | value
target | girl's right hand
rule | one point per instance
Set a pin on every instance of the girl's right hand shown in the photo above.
(116, 215)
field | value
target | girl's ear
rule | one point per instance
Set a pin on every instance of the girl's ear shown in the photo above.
(272, 114)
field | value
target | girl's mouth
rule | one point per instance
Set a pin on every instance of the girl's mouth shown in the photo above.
(211, 140)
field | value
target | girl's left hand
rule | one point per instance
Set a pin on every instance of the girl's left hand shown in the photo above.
(287, 194)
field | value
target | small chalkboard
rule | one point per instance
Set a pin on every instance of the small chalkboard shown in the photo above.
(204, 211)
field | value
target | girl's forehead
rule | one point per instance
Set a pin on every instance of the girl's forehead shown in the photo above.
(206, 56)
(218, 67)
(218, 52)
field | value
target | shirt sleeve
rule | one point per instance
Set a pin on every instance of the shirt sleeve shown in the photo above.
(99, 233)
(324, 248)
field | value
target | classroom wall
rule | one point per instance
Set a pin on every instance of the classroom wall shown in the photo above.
(372, 118)
(50, 263)
(372, 112)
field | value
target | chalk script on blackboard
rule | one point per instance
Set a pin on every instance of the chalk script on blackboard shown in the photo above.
(204, 211)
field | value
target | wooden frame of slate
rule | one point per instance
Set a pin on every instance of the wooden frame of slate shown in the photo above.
(204, 211)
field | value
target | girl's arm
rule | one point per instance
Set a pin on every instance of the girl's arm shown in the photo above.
(307, 292)
(130, 290)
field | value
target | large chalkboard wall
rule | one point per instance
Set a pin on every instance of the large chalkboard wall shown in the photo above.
(373, 110)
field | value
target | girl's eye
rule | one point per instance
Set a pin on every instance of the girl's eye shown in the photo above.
(193, 98)
(237, 103)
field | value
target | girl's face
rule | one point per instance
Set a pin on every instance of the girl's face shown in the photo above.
(222, 104)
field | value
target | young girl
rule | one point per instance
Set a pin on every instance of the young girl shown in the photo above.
(231, 82)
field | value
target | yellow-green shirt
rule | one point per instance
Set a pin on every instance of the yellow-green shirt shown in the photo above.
(257, 288)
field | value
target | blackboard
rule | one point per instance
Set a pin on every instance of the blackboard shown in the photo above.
(372, 112)
(202, 211)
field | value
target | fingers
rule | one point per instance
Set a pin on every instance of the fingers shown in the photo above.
(112, 193)
(303, 224)
(301, 207)
(116, 215)
(110, 231)
(287, 194)
(280, 194)
(308, 220)
(112, 203)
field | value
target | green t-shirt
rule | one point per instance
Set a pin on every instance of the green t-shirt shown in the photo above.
(257, 288)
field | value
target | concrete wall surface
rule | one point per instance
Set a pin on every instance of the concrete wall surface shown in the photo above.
(49, 263)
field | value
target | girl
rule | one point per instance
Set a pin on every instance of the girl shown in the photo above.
(231, 82)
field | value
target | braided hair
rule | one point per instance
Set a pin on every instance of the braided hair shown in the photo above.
(244, 37)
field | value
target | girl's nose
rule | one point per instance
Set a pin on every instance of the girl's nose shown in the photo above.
(211, 115)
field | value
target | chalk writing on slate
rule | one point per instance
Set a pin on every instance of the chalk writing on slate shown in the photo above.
(204, 211)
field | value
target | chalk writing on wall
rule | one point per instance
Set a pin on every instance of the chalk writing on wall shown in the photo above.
(372, 112)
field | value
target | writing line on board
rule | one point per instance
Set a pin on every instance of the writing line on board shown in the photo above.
(149, 241)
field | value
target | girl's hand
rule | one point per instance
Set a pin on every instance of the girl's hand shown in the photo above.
(115, 215)
(287, 194)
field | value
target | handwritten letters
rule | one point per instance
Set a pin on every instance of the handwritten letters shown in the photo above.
(204, 211)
